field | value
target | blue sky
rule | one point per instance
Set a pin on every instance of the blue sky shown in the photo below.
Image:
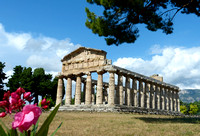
(38, 33)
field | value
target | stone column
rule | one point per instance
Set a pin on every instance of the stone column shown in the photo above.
(59, 91)
(134, 86)
(117, 92)
(178, 101)
(170, 100)
(78, 90)
(125, 91)
(175, 92)
(105, 94)
(157, 100)
(173, 97)
(88, 94)
(120, 85)
(146, 98)
(99, 96)
(162, 102)
(141, 98)
(128, 90)
(166, 99)
(84, 89)
(68, 93)
(111, 95)
(152, 103)
(92, 93)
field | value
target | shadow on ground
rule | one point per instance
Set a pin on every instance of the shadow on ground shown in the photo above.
(170, 120)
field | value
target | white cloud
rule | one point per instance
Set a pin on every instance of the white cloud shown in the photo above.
(179, 66)
(26, 50)
(49, 64)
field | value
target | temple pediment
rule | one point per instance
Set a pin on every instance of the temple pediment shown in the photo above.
(83, 58)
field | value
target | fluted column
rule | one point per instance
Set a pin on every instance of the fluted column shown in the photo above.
(157, 100)
(78, 90)
(105, 94)
(141, 98)
(178, 101)
(162, 103)
(152, 96)
(111, 95)
(134, 87)
(99, 96)
(170, 100)
(59, 91)
(125, 92)
(146, 97)
(173, 100)
(88, 95)
(128, 90)
(68, 93)
(120, 85)
(84, 89)
(166, 99)
(117, 92)
(92, 93)
(175, 108)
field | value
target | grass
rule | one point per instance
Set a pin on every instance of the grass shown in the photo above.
(109, 124)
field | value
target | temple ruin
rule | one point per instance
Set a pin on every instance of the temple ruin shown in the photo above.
(139, 93)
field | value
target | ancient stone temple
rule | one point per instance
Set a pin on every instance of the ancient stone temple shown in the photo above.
(125, 90)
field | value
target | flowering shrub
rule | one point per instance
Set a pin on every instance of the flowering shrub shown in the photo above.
(26, 115)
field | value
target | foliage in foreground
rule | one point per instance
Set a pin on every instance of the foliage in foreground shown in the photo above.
(25, 115)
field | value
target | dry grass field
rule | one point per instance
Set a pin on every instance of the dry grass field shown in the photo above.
(116, 124)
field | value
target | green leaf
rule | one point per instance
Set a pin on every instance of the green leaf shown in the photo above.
(33, 132)
(45, 126)
(2, 131)
(14, 132)
(8, 130)
(56, 129)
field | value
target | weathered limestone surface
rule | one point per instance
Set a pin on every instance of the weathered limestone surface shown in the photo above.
(78, 91)
(139, 93)
(111, 98)
(100, 88)
(120, 84)
(59, 91)
(134, 86)
(88, 96)
(68, 91)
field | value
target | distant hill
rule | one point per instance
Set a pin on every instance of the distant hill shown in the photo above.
(189, 95)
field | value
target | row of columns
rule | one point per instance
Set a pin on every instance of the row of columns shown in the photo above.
(142, 93)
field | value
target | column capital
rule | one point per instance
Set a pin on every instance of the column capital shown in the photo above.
(112, 70)
(88, 73)
(100, 72)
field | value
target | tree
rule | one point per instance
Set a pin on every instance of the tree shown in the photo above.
(15, 81)
(120, 18)
(193, 109)
(2, 77)
(36, 82)
(42, 83)
(183, 109)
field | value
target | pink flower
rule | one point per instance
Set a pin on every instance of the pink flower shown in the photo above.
(3, 103)
(43, 102)
(15, 95)
(45, 106)
(20, 91)
(27, 95)
(28, 116)
(6, 95)
(30, 98)
(3, 114)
